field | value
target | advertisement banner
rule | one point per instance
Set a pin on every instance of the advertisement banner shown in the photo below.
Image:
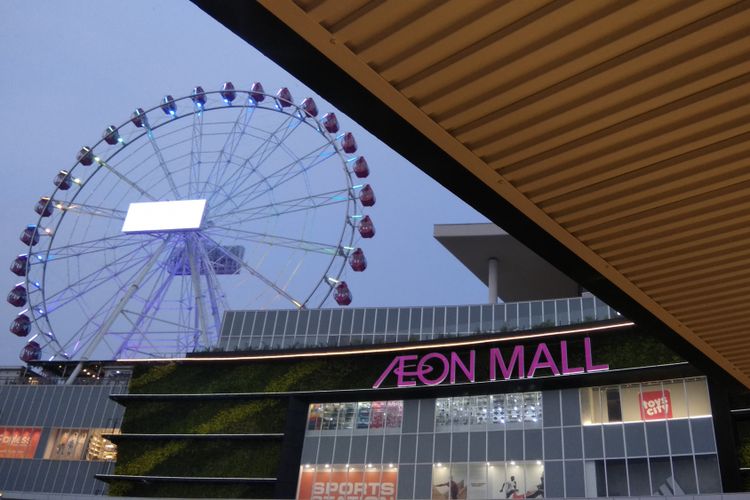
(355, 484)
(19, 442)
(655, 405)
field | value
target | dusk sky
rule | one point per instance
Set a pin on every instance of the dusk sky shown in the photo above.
(69, 69)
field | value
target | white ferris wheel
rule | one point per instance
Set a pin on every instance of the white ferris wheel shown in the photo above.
(230, 198)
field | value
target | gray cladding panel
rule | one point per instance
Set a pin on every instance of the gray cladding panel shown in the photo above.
(374, 449)
(357, 456)
(341, 451)
(478, 446)
(405, 482)
(442, 447)
(572, 443)
(571, 409)
(390, 449)
(408, 452)
(460, 447)
(533, 444)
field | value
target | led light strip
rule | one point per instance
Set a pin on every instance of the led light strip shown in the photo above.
(378, 350)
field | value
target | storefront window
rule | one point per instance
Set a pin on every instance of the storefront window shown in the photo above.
(80, 444)
(645, 401)
(350, 481)
(66, 444)
(100, 448)
(361, 416)
(522, 479)
(495, 410)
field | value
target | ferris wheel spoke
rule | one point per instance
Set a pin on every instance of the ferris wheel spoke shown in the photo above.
(232, 142)
(83, 247)
(215, 294)
(274, 214)
(93, 280)
(244, 194)
(102, 163)
(311, 201)
(162, 163)
(258, 157)
(104, 327)
(84, 209)
(153, 303)
(256, 274)
(196, 148)
(284, 242)
(195, 271)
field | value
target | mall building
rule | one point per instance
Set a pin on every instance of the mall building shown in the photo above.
(548, 394)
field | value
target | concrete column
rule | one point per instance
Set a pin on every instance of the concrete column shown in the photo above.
(492, 280)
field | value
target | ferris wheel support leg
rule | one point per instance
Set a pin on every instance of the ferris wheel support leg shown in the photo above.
(195, 275)
(104, 328)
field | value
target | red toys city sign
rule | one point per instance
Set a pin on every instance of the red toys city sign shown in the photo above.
(434, 368)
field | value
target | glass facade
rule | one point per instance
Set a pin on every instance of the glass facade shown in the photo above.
(297, 329)
(355, 417)
(652, 438)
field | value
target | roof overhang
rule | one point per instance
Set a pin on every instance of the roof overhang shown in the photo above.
(522, 274)
(609, 137)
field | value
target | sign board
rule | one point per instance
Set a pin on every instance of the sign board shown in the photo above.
(655, 405)
(353, 484)
(434, 368)
(19, 442)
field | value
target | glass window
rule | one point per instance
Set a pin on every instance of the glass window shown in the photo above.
(394, 414)
(439, 327)
(576, 311)
(100, 448)
(315, 417)
(378, 415)
(524, 316)
(427, 318)
(66, 444)
(415, 327)
(487, 325)
(392, 320)
(561, 315)
(475, 320)
(494, 410)
(463, 319)
(346, 415)
(369, 320)
(358, 321)
(442, 414)
(645, 402)
(380, 320)
(364, 410)
(330, 416)
(511, 316)
(450, 320)
(346, 322)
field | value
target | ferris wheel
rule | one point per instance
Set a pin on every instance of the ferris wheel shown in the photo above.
(231, 198)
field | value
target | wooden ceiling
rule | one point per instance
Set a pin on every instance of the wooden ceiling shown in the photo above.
(619, 128)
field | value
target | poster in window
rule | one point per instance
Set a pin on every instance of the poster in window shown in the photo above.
(655, 405)
(354, 484)
(19, 442)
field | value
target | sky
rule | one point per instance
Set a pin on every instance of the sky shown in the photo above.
(69, 69)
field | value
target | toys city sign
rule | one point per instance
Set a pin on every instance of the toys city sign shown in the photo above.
(435, 368)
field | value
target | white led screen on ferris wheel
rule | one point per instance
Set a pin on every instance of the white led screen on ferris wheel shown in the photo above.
(164, 216)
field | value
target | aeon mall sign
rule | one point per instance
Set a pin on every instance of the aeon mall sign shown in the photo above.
(435, 368)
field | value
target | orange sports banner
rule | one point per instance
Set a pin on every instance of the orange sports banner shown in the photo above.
(19, 442)
(353, 484)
